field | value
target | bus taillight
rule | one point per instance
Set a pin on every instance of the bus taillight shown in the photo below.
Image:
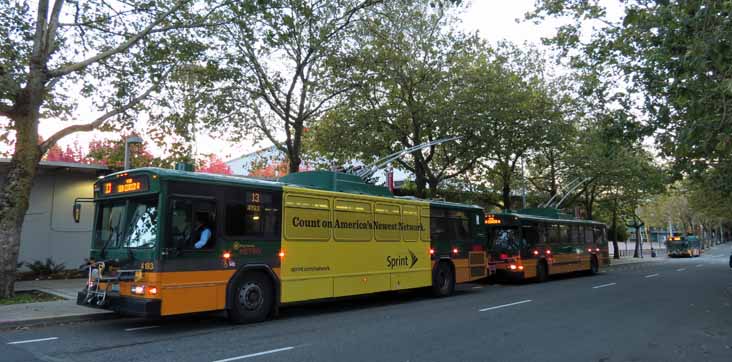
(281, 254)
(432, 251)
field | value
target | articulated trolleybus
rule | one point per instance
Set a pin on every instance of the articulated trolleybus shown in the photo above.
(537, 243)
(312, 235)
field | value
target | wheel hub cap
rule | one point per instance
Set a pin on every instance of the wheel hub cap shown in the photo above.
(250, 296)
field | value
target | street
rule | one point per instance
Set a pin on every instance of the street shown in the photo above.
(661, 310)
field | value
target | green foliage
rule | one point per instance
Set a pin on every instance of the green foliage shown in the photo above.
(40, 269)
(676, 55)
(622, 232)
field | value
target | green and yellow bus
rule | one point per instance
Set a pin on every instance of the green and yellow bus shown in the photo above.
(683, 245)
(537, 243)
(311, 235)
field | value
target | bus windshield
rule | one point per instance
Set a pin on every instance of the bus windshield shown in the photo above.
(505, 239)
(131, 223)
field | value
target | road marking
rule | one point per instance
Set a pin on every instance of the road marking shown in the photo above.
(504, 305)
(680, 269)
(477, 287)
(651, 275)
(256, 354)
(140, 328)
(603, 285)
(34, 340)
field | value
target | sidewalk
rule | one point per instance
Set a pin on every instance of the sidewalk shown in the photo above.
(28, 314)
(631, 260)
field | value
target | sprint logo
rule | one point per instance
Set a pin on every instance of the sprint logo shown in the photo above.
(402, 261)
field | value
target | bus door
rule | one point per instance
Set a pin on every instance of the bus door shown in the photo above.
(192, 234)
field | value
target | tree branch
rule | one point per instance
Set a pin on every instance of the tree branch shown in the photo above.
(97, 122)
(120, 48)
(50, 43)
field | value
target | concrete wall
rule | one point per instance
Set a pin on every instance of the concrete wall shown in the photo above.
(49, 230)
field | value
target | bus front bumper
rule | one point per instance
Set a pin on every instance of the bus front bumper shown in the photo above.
(138, 307)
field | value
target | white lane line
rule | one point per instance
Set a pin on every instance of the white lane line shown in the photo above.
(34, 340)
(477, 287)
(603, 285)
(680, 269)
(651, 275)
(140, 328)
(256, 354)
(504, 305)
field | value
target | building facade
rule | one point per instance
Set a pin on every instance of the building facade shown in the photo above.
(49, 230)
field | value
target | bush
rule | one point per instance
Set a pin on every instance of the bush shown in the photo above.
(48, 268)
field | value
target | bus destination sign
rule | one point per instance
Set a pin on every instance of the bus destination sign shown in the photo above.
(125, 185)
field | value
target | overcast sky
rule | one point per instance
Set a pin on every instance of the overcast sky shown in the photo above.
(493, 19)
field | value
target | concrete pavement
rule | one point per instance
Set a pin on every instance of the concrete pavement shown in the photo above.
(60, 311)
(671, 310)
(29, 314)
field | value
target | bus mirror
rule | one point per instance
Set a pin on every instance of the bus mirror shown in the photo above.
(77, 212)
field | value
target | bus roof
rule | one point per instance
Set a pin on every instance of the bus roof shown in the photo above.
(545, 215)
(318, 180)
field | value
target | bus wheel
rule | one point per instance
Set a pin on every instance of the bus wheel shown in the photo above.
(443, 280)
(541, 272)
(252, 299)
(594, 267)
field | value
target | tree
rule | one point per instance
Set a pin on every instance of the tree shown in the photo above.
(213, 164)
(673, 54)
(69, 154)
(58, 51)
(274, 63)
(406, 69)
(515, 113)
(112, 153)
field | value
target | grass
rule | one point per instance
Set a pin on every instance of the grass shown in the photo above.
(29, 296)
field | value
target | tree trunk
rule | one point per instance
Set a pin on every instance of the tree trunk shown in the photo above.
(637, 242)
(506, 193)
(616, 254)
(14, 199)
(294, 164)
(420, 178)
(15, 194)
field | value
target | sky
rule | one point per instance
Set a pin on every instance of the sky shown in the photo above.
(494, 20)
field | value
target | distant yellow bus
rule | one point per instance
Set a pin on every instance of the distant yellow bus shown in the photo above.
(312, 235)
(683, 245)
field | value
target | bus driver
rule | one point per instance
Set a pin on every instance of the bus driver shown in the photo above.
(202, 232)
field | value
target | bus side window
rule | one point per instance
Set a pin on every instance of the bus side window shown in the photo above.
(188, 220)
(552, 234)
(598, 234)
(588, 234)
(530, 235)
(563, 234)
(258, 216)
(572, 233)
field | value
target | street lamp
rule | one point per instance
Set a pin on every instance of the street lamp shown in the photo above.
(128, 141)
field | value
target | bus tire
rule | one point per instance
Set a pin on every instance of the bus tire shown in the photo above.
(542, 274)
(594, 266)
(443, 280)
(252, 299)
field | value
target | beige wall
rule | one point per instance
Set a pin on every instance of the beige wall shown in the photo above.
(49, 230)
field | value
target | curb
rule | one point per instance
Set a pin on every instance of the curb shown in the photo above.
(43, 322)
